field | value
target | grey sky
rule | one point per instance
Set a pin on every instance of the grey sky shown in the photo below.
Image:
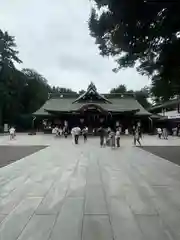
(53, 38)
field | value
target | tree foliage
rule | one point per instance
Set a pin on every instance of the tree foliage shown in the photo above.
(81, 92)
(141, 32)
(141, 96)
(61, 90)
(22, 92)
(8, 55)
(120, 89)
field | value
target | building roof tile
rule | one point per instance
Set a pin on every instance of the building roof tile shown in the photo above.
(124, 104)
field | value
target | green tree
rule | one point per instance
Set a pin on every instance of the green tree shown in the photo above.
(141, 96)
(36, 90)
(145, 33)
(8, 56)
(120, 89)
(13, 91)
(61, 90)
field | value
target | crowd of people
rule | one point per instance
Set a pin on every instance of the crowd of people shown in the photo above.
(108, 136)
(162, 133)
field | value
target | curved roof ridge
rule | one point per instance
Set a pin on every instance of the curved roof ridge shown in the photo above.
(90, 88)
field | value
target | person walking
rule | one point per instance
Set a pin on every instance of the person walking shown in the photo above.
(84, 133)
(72, 134)
(76, 133)
(65, 131)
(133, 130)
(165, 133)
(137, 137)
(159, 131)
(113, 139)
(101, 132)
(118, 133)
(12, 132)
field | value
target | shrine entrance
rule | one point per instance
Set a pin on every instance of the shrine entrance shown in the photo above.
(93, 116)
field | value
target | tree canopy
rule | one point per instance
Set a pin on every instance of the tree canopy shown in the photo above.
(22, 92)
(120, 89)
(141, 32)
(141, 96)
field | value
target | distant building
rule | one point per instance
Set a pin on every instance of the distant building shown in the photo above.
(168, 112)
(169, 109)
(92, 109)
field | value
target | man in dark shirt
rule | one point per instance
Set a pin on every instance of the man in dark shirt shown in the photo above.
(101, 132)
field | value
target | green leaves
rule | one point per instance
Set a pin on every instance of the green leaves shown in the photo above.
(21, 92)
(141, 95)
(143, 32)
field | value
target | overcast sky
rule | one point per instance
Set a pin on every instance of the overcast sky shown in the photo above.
(53, 38)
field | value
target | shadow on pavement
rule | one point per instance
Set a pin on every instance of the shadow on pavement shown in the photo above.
(170, 153)
(10, 154)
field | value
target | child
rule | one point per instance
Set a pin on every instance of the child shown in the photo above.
(12, 133)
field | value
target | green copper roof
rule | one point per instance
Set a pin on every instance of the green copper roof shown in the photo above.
(124, 104)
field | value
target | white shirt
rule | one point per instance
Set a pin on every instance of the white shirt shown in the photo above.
(75, 131)
(159, 130)
(118, 134)
(127, 132)
(12, 130)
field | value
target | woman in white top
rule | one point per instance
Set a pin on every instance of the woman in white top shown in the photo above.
(12, 133)
(159, 131)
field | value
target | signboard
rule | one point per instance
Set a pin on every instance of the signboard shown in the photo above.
(5, 127)
(177, 116)
(172, 114)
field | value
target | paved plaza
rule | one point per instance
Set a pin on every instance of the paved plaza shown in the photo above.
(84, 192)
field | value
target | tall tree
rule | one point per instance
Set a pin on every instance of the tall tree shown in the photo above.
(141, 96)
(81, 92)
(145, 33)
(61, 90)
(35, 91)
(120, 89)
(8, 56)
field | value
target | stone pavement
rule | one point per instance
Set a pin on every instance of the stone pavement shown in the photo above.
(85, 192)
